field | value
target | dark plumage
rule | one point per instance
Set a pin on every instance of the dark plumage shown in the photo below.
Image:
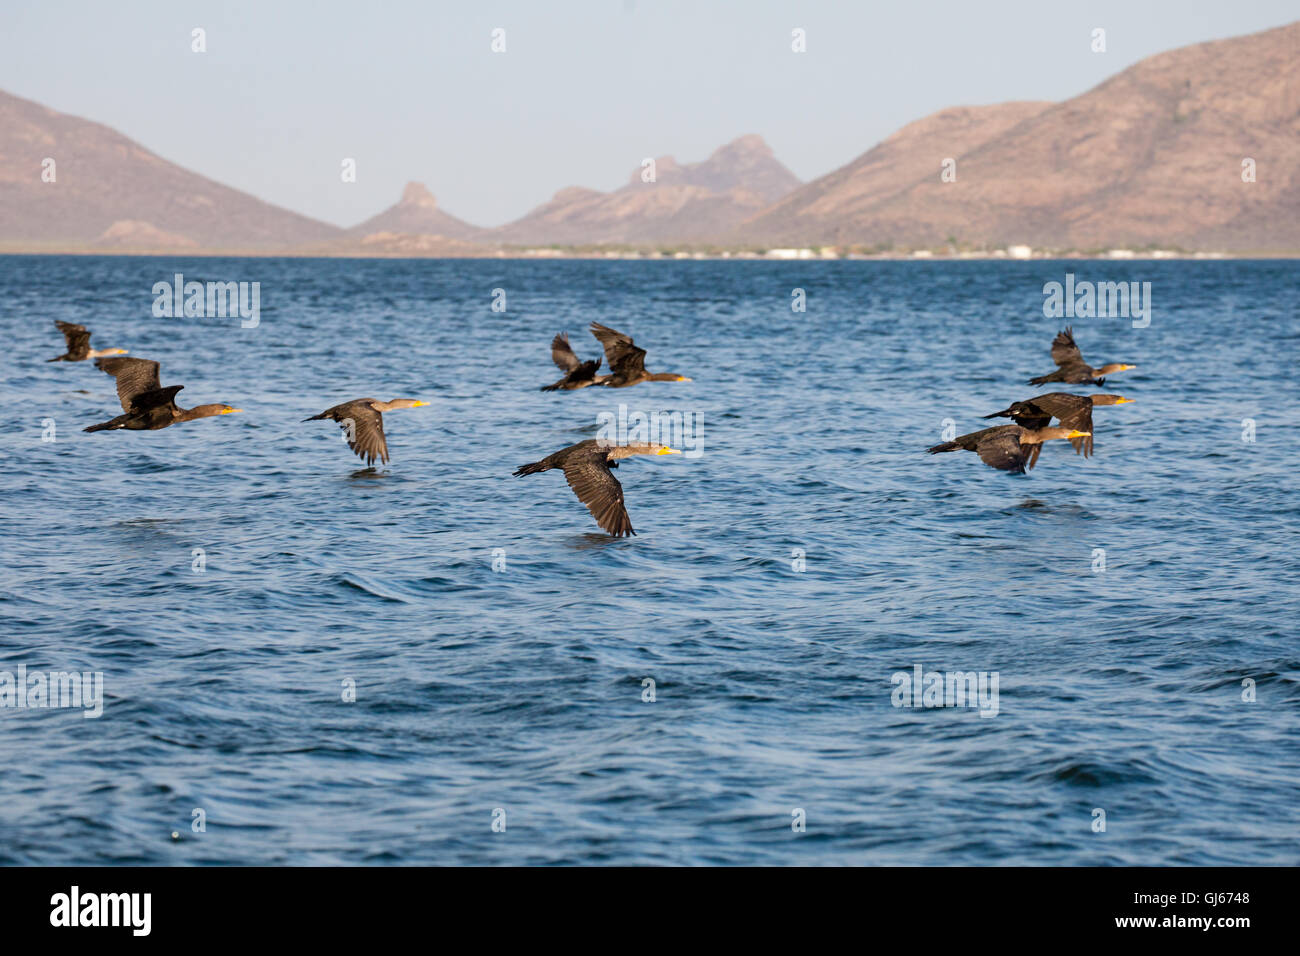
(1071, 368)
(363, 424)
(578, 374)
(146, 404)
(78, 339)
(587, 467)
(1007, 447)
(1071, 411)
(627, 362)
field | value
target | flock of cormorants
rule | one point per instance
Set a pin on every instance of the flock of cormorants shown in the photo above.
(1016, 447)
(588, 465)
(147, 406)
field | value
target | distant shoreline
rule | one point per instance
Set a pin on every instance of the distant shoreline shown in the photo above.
(549, 254)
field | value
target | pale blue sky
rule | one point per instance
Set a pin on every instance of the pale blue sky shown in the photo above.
(585, 89)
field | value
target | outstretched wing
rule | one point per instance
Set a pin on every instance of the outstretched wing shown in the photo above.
(562, 353)
(145, 401)
(1072, 411)
(77, 336)
(363, 428)
(621, 354)
(1064, 351)
(596, 487)
(1003, 451)
(134, 376)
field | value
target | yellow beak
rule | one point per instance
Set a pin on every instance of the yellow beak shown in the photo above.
(1078, 434)
(683, 378)
(1124, 401)
(668, 451)
(230, 411)
(418, 403)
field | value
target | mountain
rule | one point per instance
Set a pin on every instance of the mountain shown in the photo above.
(686, 202)
(112, 192)
(416, 214)
(1152, 156)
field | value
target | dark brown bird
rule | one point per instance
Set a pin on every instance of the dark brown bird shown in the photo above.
(1071, 368)
(578, 374)
(78, 337)
(587, 467)
(627, 362)
(1007, 447)
(1070, 411)
(363, 424)
(146, 404)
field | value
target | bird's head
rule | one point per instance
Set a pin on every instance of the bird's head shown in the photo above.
(115, 352)
(404, 403)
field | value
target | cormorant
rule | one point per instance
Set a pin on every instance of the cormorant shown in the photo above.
(1071, 368)
(1007, 447)
(79, 349)
(147, 405)
(626, 361)
(1071, 411)
(587, 469)
(363, 424)
(578, 374)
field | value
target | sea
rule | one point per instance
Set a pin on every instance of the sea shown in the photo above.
(824, 646)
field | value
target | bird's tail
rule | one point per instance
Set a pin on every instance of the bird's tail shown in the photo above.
(551, 388)
(1044, 379)
(532, 469)
(57, 358)
(108, 425)
(315, 417)
(946, 446)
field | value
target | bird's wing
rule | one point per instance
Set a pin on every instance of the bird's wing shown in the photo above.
(1080, 420)
(562, 354)
(621, 354)
(1064, 351)
(364, 428)
(1031, 455)
(144, 401)
(587, 370)
(78, 337)
(1072, 411)
(1030, 415)
(1003, 451)
(589, 476)
(133, 375)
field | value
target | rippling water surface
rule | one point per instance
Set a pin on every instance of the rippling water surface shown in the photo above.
(522, 689)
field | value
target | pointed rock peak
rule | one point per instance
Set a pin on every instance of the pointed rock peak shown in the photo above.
(417, 194)
(749, 145)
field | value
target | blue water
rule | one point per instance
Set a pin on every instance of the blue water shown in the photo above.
(522, 689)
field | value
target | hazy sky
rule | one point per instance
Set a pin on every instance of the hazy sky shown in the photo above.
(584, 91)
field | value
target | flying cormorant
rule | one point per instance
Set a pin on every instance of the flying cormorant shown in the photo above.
(1071, 411)
(79, 349)
(363, 424)
(146, 404)
(587, 467)
(626, 361)
(1071, 368)
(1007, 447)
(577, 373)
